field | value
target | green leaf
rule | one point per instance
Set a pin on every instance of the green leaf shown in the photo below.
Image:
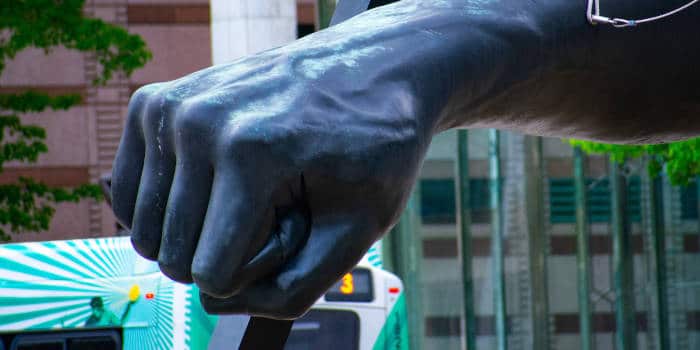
(49, 23)
(28, 205)
(680, 160)
(33, 101)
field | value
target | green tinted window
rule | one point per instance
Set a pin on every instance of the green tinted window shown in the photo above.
(689, 202)
(563, 200)
(438, 204)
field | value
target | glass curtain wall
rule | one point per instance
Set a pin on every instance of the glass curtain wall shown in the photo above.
(642, 256)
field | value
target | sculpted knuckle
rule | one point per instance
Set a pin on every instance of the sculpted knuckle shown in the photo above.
(253, 138)
(243, 138)
(140, 98)
(190, 118)
(158, 109)
(232, 146)
(145, 248)
(209, 281)
(144, 92)
(153, 108)
(175, 270)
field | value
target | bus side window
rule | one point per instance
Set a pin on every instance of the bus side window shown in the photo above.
(90, 343)
(325, 329)
(103, 339)
(41, 345)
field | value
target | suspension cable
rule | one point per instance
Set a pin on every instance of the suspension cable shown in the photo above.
(593, 14)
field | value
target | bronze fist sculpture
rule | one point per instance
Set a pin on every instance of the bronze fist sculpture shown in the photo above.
(264, 180)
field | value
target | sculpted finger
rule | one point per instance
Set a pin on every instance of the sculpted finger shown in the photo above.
(184, 215)
(128, 162)
(287, 238)
(156, 178)
(237, 225)
(327, 255)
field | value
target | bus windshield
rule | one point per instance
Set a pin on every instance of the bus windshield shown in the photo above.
(325, 329)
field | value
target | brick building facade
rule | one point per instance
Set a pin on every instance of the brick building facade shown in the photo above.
(83, 140)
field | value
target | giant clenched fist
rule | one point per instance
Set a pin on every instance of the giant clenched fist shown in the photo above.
(264, 180)
(258, 180)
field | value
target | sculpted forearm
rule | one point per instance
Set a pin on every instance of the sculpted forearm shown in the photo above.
(571, 79)
(537, 67)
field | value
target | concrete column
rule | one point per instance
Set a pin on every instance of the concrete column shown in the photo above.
(464, 237)
(243, 27)
(583, 252)
(497, 242)
(623, 280)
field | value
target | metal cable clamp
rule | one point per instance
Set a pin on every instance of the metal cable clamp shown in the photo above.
(594, 17)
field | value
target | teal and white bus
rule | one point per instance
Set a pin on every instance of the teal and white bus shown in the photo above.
(99, 294)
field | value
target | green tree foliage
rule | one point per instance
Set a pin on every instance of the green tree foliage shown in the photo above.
(680, 160)
(28, 205)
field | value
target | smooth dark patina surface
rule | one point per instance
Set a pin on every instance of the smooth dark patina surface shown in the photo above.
(265, 179)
